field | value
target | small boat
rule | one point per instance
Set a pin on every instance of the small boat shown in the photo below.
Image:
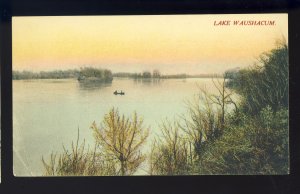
(119, 93)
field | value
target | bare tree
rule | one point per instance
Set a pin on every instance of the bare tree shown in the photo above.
(171, 152)
(205, 119)
(223, 98)
(120, 140)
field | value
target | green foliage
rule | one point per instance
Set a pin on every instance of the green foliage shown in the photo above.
(171, 154)
(206, 119)
(185, 141)
(120, 140)
(223, 156)
(77, 162)
(252, 138)
(16, 75)
(255, 139)
(146, 74)
(90, 73)
(57, 74)
(216, 136)
(264, 84)
(117, 150)
(231, 74)
(258, 145)
(202, 123)
(268, 133)
(86, 72)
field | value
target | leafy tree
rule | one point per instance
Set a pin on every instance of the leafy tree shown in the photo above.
(117, 151)
(265, 83)
(256, 137)
(120, 140)
(252, 139)
(257, 145)
(92, 73)
(146, 74)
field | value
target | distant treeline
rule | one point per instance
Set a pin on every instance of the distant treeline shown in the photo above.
(218, 134)
(57, 74)
(145, 74)
(102, 74)
(81, 74)
(157, 74)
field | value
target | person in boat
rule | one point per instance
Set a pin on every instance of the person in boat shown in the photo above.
(121, 93)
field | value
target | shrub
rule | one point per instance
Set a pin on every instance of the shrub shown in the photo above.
(77, 162)
(120, 140)
(171, 153)
(258, 145)
(117, 150)
(266, 83)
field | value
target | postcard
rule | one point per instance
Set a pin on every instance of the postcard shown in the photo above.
(150, 95)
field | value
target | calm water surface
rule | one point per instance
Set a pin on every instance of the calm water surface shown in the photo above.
(48, 113)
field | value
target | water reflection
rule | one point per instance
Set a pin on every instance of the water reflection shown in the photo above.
(71, 104)
(148, 81)
(93, 85)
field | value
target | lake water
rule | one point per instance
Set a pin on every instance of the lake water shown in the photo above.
(48, 113)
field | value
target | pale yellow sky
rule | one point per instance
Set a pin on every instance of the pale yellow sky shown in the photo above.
(171, 43)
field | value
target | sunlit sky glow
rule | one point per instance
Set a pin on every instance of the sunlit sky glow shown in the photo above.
(170, 43)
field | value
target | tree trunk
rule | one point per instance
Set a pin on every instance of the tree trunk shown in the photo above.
(122, 165)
